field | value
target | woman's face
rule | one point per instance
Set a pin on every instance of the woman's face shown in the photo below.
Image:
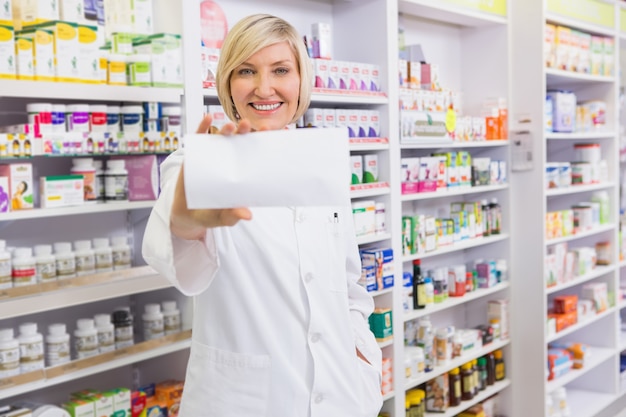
(265, 88)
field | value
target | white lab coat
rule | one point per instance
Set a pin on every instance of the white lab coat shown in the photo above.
(278, 312)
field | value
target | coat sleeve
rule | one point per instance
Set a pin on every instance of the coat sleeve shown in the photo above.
(190, 265)
(360, 301)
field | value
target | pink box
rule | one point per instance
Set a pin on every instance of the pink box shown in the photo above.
(143, 176)
(21, 185)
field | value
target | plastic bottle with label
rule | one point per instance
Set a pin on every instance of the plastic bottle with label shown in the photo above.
(66, 262)
(152, 322)
(84, 167)
(9, 354)
(116, 181)
(103, 254)
(99, 182)
(419, 286)
(121, 252)
(57, 345)
(123, 323)
(85, 258)
(85, 338)
(24, 268)
(45, 264)
(171, 317)
(31, 348)
(106, 333)
(6, 280)
(495, 212)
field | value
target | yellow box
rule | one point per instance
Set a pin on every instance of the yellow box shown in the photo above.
(66, 49)
(7, 53)
(6, 13)
(43, 52)
(33, 12)
(89, 55)
(25, 57)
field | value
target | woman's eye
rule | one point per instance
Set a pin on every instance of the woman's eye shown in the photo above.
(245, 71)
(282, 71)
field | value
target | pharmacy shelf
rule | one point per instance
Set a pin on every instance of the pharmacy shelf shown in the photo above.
(595, 231)
(559, 78)
(385, 343)
(75, 210)
(593, 358)
(369, 144)
(580, 325)
(366, 239)
(97, 364)
(389, 396)
(454, 191)
(369, 190)
(622, 340)
(449, 13)
(574, 189)
(591, 135)
(481, 396)
(577, 24)
(595, 273)
(381, 292)
(455, 363)
(587, 403)
(41, 90)
(466, 244)
(454, 301)
(331, 96)
(445, 144)
(36, 298)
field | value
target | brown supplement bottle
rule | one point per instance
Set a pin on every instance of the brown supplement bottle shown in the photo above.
(467, 382)
(455, 387)
(499, 365)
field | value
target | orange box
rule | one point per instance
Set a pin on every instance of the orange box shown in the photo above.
(565, 303)
(170, 392)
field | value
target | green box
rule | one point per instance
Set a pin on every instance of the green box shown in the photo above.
(380, 324)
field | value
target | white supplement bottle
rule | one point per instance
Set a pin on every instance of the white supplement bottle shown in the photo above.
(66, 262)
(58, 118)
(121, 252)
(116, 181)
(104, 254)
(152, 322)
(84, 167)
(9, 354)
(106, 333)
(98, 117)
(85, 258)
(45, 264)
(77, 116)
(85, 339)
(31, 348)
(171, 317)
(6, 281)
(57, 345)
(99, 183)
(24, 272)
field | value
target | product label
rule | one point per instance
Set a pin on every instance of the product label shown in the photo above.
(9, 362)
(104, 262)
(24, 275)
(57, 353)
(86, 346)
(5, 274)
(85, 265)
(66, 268)
(152, 329)
(121, 259)
(116, 187)
(106, 341)
(31, 356)
(46, 271)
(123, 337)
(171, 324)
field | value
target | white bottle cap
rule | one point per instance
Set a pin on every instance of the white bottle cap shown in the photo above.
(62, 247)
(113, 109)
(22, 253)
(172, 111)
(97, 108)
(3, 244)
(101, 242)
(102, 319)
(85, 324)
(119, 241)
(38, 107)
(169, 305)
(82, 162)
(97, 164)
(153, 308)
(42, 250)
(28, 329)
(82, 245)
(131, 109)
(57, 329)
(116, 164)
(81, 108)
(58, 108)
(6, 334)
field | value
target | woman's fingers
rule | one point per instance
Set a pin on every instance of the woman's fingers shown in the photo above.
(205, 124)
(230, 217)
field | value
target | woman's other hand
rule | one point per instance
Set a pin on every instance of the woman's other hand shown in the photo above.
(192, 224)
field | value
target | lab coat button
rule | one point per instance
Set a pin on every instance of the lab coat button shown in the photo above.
(318, 398)
(308, 277)
(301, 217)
(315, 337)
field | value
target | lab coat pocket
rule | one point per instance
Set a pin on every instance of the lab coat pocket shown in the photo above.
(221, 383)
(336, 256)
(371, 396)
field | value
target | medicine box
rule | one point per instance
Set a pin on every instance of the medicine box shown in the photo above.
(382, 260)
(121, 401)
(438, 394)
(563, 110)
(66, 52)
(20, 184)
(7, 53)
(89, 70)
(80, 408)
(170, 393)
(6, 13)
(322, 40)
(356, 168)
(61, 191)
(24, 57)
(5, 199)
(370, 168)
(320, 69)
(368, 277)
(380, 324)
(143, 177)
(32, 12)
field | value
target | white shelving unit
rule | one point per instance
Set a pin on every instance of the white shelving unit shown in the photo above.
(593, 390)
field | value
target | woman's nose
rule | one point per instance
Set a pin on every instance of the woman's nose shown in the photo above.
(264, 85)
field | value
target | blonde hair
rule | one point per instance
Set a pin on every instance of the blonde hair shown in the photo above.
(246, 38)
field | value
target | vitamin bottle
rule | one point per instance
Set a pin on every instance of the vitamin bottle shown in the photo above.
(500, 373)
(6, 279)
(171, 317)
(45, 264)
(85, 258)
(58, 118)
(486, 218)
(84, 167)
(426, 340)
(85, 338)
(99, 182)
(482, 373)
(31, 348)
(103, 254)
(474, 363)
(9, 354)
(467, 382)
(98, 117)
(430, 288)
(152, 322)
(455, 387)
(121, 252)
(496, 216)
(419, 287)
(443, 346)
(123, 323)
(66, 262)
(106, 333)
(23, 264)
(57, 345)
(116, 181)
(491, 368)
(495, 326)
